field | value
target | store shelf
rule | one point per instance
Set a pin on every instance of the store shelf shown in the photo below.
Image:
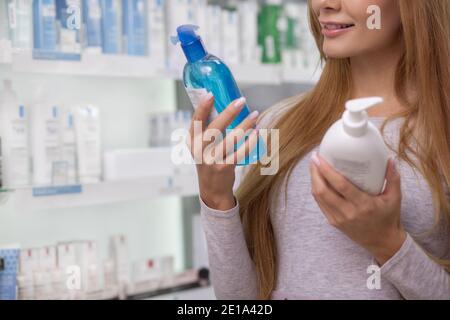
(101, 65)
(89, 65)
(107, 192)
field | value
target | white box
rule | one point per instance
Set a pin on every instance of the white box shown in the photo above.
(200, 12)
(158, 38)
(230, 40)
(137, 163)
(213, 41)
(248, 32)
(29, 260)
(66, 255)
(87, 258)
(120, 256)
(47, 258)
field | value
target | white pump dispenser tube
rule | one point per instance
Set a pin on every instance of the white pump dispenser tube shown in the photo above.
(355, 147)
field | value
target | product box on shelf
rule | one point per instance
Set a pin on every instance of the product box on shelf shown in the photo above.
(120, 256)
(157, 37)
(111, 26)
(87, 130)
(68, 15)
(230, 27)
(135, 27)
(8, 271)
(123, 164)
(92, 19)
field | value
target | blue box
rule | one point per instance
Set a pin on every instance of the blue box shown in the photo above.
(9, 257)
(44, 25)
(111, 28)
(135, 27)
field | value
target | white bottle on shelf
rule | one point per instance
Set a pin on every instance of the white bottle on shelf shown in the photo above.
(215, 29)
(248, 32)
(69, 148)
(14, 143)
(4, 28)
(291, 33)
(20, 23)
(87, 130)
(46, 142)
(230, 26)
(355, 147)
(177, 13)
(157, 43)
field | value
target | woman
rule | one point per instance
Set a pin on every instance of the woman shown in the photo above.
(307, 232)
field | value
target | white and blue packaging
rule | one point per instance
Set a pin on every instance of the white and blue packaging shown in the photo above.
(68, 15)
(44, 31)
(92, 19)
(135, 27)
(111, 26)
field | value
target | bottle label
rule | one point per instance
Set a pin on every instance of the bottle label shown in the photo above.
(18, 133)
(12, 15)
(355, 171)
(196, 95)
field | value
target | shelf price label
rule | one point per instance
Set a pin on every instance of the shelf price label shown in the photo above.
(56, 190)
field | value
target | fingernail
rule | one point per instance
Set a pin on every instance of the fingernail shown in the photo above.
(239, 103)
(394, 164)
(207, 96)
(315, 159)
(253, 115)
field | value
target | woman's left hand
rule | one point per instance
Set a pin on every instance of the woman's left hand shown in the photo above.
(371, 221)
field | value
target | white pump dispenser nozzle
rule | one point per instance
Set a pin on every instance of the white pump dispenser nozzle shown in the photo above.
(355, 117)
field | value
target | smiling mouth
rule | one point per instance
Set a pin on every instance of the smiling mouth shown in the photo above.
(333, 26)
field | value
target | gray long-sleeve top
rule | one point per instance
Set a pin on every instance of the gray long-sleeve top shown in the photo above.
(317, 261)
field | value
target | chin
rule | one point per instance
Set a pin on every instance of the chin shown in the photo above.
(337, 53)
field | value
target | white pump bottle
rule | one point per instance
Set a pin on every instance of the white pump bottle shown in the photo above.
(355, 147)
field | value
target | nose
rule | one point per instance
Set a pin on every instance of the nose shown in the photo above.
(326, 6)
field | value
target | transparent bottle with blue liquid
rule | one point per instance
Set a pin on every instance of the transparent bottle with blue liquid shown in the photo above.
(205, 73)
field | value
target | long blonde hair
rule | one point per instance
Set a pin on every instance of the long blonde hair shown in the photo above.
(425, 64)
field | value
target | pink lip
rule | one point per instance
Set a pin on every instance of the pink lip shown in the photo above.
(329, 33)
(334, 33)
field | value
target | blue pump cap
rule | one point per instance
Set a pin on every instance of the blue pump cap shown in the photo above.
(191, 42)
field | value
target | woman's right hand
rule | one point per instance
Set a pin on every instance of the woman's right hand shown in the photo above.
(216, 174)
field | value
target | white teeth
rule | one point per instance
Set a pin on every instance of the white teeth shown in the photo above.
(337, 26)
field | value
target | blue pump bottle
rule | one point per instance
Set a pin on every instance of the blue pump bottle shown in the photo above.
(204, 73)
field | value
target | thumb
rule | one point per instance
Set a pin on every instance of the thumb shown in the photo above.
(393, 185)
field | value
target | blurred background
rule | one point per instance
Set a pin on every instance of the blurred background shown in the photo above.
(91, 205)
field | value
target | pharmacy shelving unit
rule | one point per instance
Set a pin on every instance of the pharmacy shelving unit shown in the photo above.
(183, 184)
(142, 67)
(178, 184)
